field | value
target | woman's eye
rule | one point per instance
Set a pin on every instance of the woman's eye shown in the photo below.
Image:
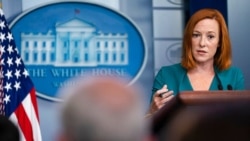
(210, 36)
(195, 35)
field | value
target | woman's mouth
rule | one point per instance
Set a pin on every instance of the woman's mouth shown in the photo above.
(201, 51)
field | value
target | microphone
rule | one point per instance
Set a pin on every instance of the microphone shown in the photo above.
(220, 87)
(229, 87)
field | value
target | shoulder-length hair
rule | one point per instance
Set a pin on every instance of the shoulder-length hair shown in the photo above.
(222, 58)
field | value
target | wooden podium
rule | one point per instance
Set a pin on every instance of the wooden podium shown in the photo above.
(220, 111)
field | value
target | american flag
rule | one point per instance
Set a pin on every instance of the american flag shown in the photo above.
(17, 92)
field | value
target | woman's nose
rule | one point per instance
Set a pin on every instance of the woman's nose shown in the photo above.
(202, 41)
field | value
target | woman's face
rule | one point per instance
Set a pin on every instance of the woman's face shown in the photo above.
(205, 40)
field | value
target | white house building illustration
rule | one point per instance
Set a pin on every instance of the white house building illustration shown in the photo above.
(74, 43)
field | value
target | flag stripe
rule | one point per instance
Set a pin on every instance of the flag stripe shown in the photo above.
(24, 123)
(13, 118)
(34, 102)
(30, 110)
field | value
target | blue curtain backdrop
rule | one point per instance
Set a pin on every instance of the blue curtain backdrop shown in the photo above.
(192, 6)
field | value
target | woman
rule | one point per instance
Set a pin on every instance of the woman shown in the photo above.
(205, 64)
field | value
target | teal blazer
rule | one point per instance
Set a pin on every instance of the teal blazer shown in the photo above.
(176, 79)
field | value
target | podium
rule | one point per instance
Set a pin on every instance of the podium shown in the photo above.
(189, 107)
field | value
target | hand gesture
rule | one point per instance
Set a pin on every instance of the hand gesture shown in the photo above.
(160, 97)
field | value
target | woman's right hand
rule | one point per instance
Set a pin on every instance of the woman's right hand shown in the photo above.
(160, 97)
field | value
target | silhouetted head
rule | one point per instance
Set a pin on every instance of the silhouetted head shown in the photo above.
(8, 130)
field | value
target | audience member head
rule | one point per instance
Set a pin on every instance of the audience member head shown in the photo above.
(222, 58)
(8, 130)
(103, 108)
